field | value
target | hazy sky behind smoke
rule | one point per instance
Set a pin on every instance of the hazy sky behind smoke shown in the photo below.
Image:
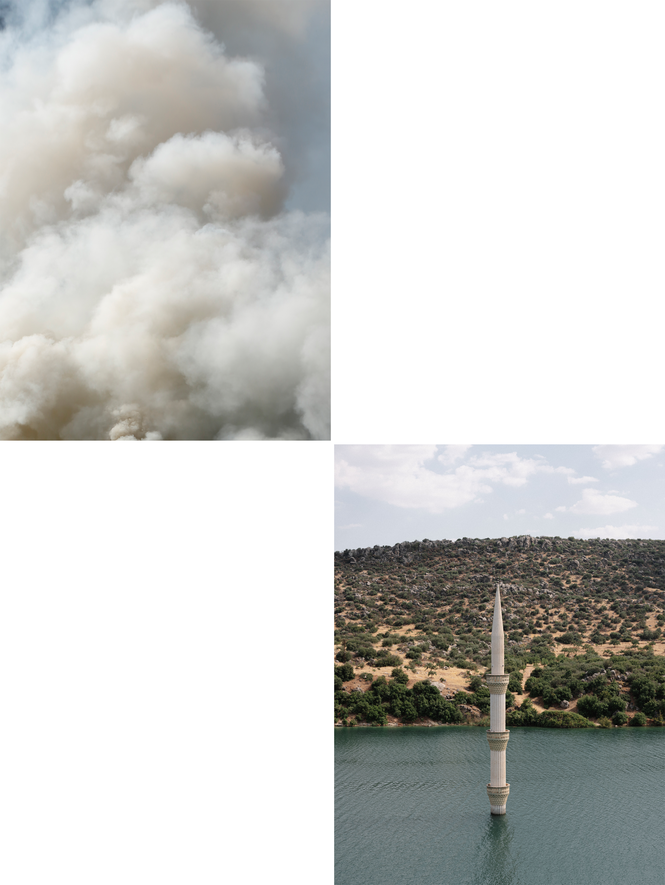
(164, 220)
(388, 494)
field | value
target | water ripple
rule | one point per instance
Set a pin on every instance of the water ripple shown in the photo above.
(584, 808)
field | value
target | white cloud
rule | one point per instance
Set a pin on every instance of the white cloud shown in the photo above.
(594, 501)
(397, 475)
(578, 480)
(548, 516)
(507, 467)
(520, 512)
(450, 454)
(622, 531)
(561, 509)
(624, 456)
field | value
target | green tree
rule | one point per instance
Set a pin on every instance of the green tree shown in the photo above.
(615, 704)
(345, 672)
(654, 709)
(377, 714)
(535, 686)
(591, 706)
(643, 688)
(409, 712)
(385, 659)
(400, 676)
(515, 682)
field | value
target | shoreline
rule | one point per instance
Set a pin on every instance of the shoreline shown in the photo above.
(594, 725)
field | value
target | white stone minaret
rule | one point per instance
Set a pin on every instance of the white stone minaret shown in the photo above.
(497, 788)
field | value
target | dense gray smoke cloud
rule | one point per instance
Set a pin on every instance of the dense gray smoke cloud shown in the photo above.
(152, 283)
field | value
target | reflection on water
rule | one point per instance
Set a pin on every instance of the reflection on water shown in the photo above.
(496, 862)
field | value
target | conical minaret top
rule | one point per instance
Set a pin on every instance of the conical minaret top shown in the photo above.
(497, 637)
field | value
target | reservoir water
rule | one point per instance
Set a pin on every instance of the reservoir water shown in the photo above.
(586, 807)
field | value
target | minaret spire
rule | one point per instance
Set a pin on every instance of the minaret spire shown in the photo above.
(497, 636)
(497, 736)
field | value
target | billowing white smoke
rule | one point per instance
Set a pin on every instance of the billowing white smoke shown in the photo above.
(151, 284)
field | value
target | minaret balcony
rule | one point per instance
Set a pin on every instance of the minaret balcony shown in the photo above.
(497, 684)
(498, 797)
(498, 740)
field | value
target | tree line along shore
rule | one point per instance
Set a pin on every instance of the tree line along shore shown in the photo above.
(583, 623)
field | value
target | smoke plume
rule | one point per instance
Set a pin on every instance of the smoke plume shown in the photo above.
(153, 284)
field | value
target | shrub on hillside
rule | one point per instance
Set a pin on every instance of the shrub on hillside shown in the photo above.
(645, 689)
(649, 635)
(407, 711)
(654, 709)
(429, 704)
(367, 712)
(615, 704)
(591, 706)
(535, 685)
(553, 696)
(345, 672)
(523, 716)
(515, 681)
(554, 719)
(387, 660)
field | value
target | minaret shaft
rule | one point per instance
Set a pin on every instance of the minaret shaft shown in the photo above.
(498, 768)
(498, 712)
(497, 736)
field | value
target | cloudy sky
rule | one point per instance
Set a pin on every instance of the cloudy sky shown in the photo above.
(164, 219)
(387, 494)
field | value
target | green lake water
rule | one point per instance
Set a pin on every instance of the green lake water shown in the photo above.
(585, 807)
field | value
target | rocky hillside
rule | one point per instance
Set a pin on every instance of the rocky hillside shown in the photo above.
(426, 606)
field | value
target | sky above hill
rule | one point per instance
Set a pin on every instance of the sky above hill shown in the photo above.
(388, 494)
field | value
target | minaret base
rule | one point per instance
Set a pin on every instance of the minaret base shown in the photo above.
(498, 797)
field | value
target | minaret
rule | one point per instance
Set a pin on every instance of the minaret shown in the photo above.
(497, 788)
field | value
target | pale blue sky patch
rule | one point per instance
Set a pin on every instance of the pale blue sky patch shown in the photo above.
(388, 494)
